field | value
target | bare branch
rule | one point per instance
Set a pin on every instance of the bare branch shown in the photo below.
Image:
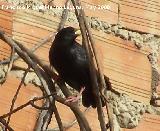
(102, 81)
(3, 121)
(64, 16)
(69, 125)
(16, 95)
(30, 102)
(38, 45)
(44, 76)
(11, 61)
(82, 24)
(61, 84)
(45, 80)
(52, 108)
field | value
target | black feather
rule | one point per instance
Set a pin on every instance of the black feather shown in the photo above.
(70, 60)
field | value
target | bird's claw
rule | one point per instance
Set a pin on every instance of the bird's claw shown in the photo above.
(72, 99)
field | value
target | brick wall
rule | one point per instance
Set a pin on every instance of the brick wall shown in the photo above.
(26, 118)
(127, 67)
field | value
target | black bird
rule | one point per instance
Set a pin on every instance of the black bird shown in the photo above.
(70, 60)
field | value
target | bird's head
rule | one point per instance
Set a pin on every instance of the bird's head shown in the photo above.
(68, 34)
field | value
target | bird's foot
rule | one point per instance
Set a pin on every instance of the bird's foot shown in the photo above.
(73, 98)
(56, 77)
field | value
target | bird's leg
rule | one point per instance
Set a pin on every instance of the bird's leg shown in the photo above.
(56, 77)
(75, 98)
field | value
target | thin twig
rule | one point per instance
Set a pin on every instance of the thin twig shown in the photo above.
(80, 18)
(3, 121)
(11, 61)
(58, 119)
(76, 111)
(82, 121)
(16, 95)
(65, 126)
(49, 2)
(60, 83)
(46, 82)
(30, 102)
(64, 16)
(33, 49)
(118, 14)
(42, 76)
(38, 107)
(69, 125)
(44, 113)
(102, 81)
(110, 116)
(48, 113)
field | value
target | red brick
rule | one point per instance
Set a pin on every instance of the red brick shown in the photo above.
(140, 15)
(26, 118)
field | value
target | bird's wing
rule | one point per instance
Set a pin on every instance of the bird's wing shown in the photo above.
(80, 64)
(79, 57)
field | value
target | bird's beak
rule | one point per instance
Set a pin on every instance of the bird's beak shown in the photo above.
(77, 32)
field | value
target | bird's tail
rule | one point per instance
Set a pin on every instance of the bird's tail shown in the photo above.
(88, 99)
